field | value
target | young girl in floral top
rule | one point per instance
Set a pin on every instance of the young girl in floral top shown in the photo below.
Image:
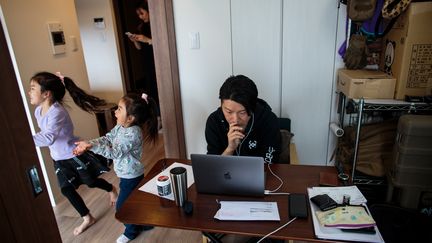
(136, 122)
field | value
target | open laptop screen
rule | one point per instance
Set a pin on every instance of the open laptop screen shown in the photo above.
(232, 175)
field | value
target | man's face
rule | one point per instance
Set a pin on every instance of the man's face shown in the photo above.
(235, 113)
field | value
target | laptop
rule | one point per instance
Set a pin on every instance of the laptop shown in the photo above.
(232, 175)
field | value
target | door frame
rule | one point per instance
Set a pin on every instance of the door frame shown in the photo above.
(167, 73)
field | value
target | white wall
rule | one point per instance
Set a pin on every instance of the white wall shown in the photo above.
(309, 29)
(257, 43)
(286, 46)
(26, 24)
(100, 49)
(202, 71)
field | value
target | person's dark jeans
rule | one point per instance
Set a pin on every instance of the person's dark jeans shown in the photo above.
(126, 188)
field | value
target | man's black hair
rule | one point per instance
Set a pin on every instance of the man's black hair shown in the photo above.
(242, 90)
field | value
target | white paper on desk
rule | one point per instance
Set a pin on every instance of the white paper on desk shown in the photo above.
(246, 210)
(331, 233)
(337, 193)
(151, 187)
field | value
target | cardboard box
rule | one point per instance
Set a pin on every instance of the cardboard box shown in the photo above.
(408, 51)
(365, 83)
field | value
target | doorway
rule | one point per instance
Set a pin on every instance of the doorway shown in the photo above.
(165, 57)
(138, 64)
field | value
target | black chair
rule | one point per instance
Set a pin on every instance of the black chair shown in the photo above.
(286, 135)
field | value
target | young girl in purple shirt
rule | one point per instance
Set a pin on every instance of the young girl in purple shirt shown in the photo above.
(56, 132)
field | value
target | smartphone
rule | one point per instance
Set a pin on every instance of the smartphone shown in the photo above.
(297, 205)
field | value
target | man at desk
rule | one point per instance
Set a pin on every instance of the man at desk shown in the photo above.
(243, 125)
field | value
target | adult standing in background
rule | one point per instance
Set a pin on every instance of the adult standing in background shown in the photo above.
(142, 41)
(243, 125)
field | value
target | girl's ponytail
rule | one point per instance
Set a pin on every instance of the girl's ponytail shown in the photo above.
(85, 101)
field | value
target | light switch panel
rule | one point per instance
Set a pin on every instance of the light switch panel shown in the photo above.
(194, 40)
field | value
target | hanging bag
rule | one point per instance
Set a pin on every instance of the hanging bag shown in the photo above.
(361, 10)
(356, 53)
(393, 8)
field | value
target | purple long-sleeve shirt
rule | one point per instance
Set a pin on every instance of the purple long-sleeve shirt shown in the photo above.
(56, 131)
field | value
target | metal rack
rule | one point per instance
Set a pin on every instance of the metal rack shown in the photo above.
(361, 105)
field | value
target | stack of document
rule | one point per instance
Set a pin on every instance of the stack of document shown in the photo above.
(332, 233)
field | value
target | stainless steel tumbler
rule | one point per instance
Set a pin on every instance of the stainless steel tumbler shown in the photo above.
(179, 185)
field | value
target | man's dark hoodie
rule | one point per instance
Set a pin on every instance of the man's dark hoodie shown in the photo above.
(262, 134)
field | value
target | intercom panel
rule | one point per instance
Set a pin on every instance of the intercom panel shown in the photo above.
(57, 38)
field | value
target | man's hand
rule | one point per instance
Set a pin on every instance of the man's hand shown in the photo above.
(235, 135)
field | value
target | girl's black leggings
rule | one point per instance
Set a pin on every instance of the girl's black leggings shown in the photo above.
(76, 200)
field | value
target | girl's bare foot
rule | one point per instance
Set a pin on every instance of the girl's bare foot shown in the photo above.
(113, 196)
(88, 221)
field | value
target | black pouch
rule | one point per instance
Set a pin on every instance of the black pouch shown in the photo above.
(324, 202)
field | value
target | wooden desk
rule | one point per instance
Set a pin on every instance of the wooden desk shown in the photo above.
(148, 209)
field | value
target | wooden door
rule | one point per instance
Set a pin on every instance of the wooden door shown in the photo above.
(25, 215)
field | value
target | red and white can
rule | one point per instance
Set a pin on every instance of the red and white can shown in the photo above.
(163, 185)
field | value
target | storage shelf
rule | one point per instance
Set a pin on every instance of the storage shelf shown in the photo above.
(389, 105)
(362, 105)
(367, 181)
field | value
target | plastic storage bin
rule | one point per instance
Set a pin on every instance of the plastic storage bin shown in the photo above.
(411, 170)
(415, 132)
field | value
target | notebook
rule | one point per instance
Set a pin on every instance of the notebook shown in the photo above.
(232, 175)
